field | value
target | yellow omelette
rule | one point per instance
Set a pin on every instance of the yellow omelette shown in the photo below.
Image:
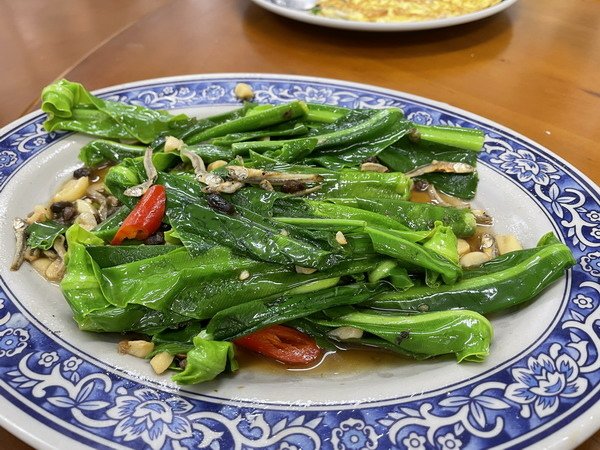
(399, 10)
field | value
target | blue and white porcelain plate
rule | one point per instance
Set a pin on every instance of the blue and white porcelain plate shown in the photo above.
(60, 387)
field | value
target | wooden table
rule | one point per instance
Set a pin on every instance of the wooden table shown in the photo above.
(534, 68)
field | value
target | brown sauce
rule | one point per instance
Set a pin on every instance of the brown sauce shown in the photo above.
(420, 197)
(99, 173)
(475, 240)
(332, 363)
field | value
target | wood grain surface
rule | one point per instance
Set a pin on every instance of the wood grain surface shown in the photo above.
(534, 68)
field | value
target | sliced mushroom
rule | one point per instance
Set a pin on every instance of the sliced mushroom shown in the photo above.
(112, 205)
(151, 175)
(373, 167)
(50, 254)
(441, 166)
(86, 216)
(59, 246)
(102, 204)
(214, 183)
(41, 265)
(256, 176)
(19, 227)
(31, 254)
(56, 270)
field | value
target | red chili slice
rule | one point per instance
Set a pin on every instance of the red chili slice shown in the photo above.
(284, 344)
(146, 217)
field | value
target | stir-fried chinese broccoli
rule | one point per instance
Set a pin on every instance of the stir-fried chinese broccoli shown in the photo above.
(280, 228)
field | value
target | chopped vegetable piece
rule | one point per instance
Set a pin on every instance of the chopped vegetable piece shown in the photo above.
(146, 217)
(506, 281)
(43, 234)
(463, 333)
(71, 107)
(206, 360)
(283, 344)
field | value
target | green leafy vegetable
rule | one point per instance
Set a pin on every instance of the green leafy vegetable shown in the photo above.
(246, 318)
(285, 129)
(406, 155)
(250, 122)
(417, 216)
(79, 285)
(71, 107)
(414, 255)
(207, 360)
(505, 281)
(199, 226)
(463, 333)
(102, 151)
(342, 247)
(43, 234)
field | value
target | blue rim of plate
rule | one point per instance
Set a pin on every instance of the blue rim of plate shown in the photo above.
(315, 19)
(522, 401)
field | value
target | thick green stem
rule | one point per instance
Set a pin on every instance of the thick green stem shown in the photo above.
(464, 138)
(244, 319)
(325, 113)
(379, 120)
(464, 333)
(262, 119)
(506, 281)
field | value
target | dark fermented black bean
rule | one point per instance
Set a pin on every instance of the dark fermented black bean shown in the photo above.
(218, 203)
(82, 172)
(420, 185)
(57, 207)
(68, 213)
(157, 238)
